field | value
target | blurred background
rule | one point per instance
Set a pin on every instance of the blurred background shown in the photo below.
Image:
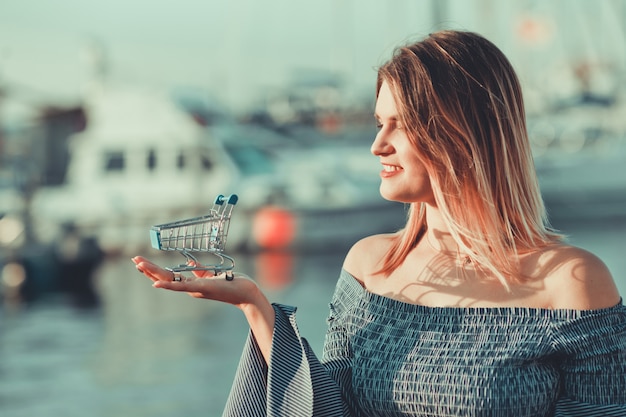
(116, 116)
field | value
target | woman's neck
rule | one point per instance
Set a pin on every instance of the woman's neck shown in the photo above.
(438, 236)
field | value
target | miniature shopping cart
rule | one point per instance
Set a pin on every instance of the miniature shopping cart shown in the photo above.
(199, 234)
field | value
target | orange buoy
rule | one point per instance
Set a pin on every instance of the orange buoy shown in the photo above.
(274, 228)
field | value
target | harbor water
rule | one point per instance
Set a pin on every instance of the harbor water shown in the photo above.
(149, 352)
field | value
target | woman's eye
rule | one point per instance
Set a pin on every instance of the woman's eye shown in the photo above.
(393, 125)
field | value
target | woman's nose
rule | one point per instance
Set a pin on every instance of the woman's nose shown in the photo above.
(380, 146)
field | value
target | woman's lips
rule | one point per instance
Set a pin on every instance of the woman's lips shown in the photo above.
(390, 170)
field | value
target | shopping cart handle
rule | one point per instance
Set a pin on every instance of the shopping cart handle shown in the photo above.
(232, 199)
(155, 238)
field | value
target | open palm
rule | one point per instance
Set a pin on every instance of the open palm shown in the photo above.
(201, 284)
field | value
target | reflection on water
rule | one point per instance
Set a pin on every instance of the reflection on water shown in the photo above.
(148, 352)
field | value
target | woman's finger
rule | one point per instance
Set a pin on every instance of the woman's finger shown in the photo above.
(186, 284)
(200, 273)
(196, 294)
(154, 272)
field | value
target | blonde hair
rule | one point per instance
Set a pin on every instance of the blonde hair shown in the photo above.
(461, 103)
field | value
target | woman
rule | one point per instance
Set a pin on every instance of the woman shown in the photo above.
(476, 307)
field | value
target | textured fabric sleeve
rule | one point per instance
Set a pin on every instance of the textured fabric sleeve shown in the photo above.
(294, 384)
(247, 396)
(593, 344)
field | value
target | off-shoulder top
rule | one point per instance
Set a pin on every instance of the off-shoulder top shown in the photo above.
(384, 357)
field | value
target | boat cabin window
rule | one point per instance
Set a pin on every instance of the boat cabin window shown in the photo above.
(207, 164)
(152, 160)
(114, 161)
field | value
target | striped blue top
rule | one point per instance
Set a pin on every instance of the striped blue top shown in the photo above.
(384, 357)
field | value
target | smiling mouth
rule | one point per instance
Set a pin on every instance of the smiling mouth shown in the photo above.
(390, 171)
(391, 168)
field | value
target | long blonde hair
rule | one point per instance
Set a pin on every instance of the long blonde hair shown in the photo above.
(461, 103)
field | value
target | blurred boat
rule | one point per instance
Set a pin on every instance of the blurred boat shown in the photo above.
(307, 192)
(140, 161)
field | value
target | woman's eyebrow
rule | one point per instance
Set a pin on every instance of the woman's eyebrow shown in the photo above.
(392, 117)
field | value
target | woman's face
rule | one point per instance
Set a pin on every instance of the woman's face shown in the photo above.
(403, 177)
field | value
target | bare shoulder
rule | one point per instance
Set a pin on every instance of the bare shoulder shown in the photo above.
(366, 255)
(577, 279)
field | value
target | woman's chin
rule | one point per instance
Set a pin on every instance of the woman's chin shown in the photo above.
(390, 196)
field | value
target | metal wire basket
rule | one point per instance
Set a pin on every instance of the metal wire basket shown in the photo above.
(205, 234)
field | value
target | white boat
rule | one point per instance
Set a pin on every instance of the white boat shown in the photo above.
(140, 161)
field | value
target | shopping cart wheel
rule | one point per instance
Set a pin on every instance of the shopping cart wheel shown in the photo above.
(229, 276)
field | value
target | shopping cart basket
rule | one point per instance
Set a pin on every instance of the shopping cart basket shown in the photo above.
(199, 234)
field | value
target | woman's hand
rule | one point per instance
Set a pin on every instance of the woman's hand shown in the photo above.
(240, 291)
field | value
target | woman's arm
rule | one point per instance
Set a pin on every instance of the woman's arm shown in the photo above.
(261, 316)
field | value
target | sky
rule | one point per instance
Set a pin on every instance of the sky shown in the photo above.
(241, 45)
(238, 49)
